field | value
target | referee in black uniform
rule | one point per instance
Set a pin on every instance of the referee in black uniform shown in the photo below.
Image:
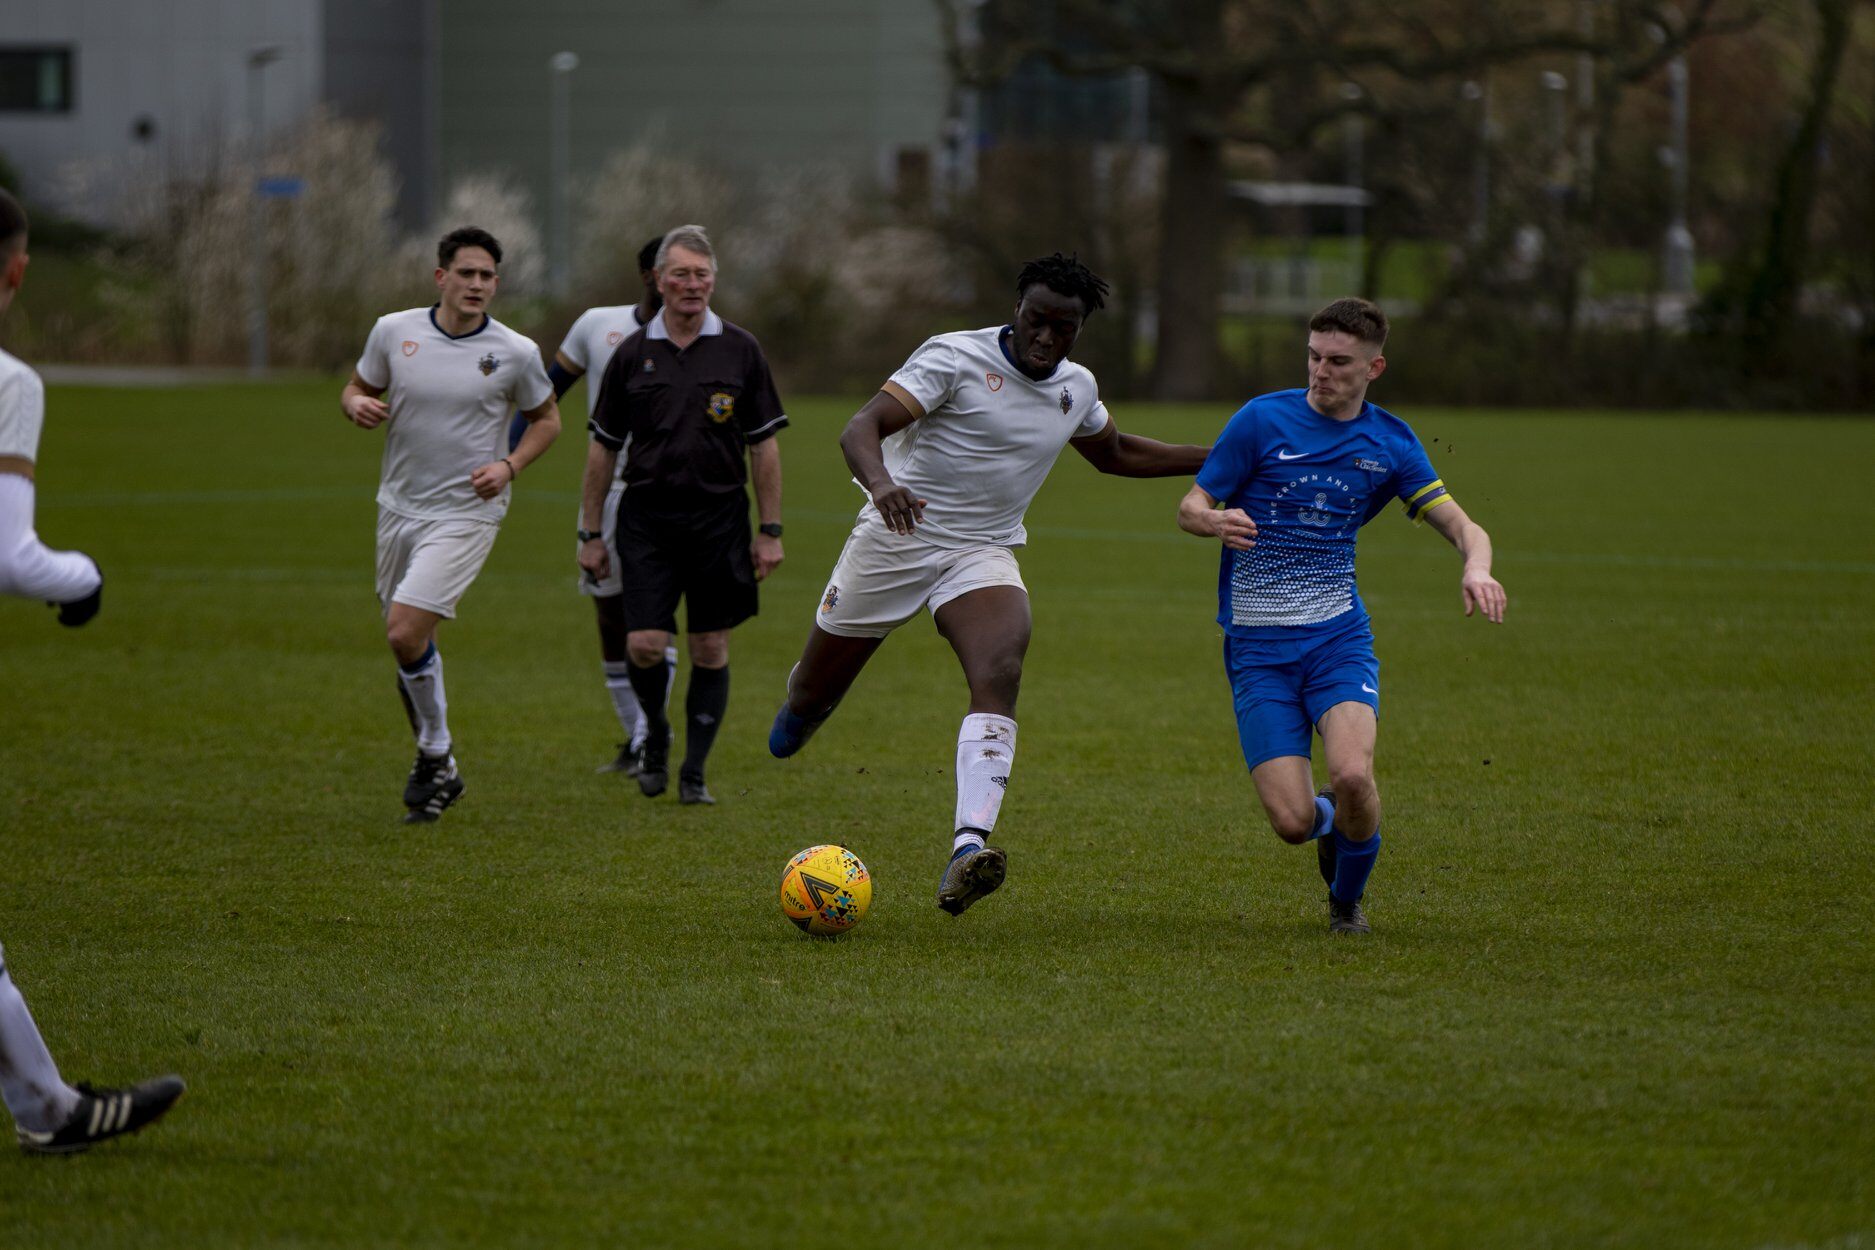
(683, 400)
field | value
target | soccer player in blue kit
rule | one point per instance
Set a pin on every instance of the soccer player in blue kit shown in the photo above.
(1298, 473)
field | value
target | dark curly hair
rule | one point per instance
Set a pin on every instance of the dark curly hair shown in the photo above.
(1064, 275)
(466, 236)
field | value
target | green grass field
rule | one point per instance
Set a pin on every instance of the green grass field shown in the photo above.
(1619, 991)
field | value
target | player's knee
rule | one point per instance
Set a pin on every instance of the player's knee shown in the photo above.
(1293, 827)
(1355, 789)
(999, 681)
(644, 654)
(408, 639)
(709, 650)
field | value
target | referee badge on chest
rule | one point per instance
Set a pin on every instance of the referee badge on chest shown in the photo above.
(722, 406)
(488, 364)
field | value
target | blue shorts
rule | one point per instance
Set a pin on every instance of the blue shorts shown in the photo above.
(1281, 686)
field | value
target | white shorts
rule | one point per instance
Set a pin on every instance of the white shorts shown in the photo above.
(883, 579)
(429, 564)
(610, 584)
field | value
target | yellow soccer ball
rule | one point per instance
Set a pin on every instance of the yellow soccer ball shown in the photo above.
(825, 890)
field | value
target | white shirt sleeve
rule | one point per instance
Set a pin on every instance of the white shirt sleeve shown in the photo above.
(573, 346)
(930, 376)
(1094, 422)
(531, 389)
(374, 366)
(22, 412)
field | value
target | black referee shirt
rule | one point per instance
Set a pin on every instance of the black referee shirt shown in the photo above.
(686, 418)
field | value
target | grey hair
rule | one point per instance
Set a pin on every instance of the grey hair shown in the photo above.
(691, 238)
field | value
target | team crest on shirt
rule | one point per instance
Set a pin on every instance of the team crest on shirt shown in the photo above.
(722, 406)
(488, 364)
(612, 339)
(830, 600)
(651, 366)
(410, 347)
(994, 380)
(1067, 400)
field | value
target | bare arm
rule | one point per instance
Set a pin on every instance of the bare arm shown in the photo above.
(360, 403)
(765, 470)
(884, 415)
(1129, 455)
(601, 463)
(1199, 514)
(1478, 589)
(543, 426)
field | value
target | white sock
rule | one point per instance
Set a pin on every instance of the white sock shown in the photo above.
(29, 568)
(986, 751)
(29, 1080)
(966, 837)
(631, 717)
(425, 688)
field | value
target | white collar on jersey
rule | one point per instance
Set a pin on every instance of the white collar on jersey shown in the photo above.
(712, 324)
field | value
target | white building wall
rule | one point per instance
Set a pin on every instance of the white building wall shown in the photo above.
(180, 63)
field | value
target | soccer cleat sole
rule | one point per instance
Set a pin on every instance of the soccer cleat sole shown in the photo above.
(983, 875)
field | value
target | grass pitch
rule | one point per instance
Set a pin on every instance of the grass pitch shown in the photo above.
(1618, 992)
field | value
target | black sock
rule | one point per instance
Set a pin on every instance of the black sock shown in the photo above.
(704, 705)
(648, 685)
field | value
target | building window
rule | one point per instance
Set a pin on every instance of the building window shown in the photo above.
(35, 80)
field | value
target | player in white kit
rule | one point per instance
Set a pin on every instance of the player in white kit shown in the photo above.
(585, 351)
(950, 453)
(448, 375)
(50, 1116)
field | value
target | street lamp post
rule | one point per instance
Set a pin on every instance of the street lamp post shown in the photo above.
(1677, 263)
(1352, 138)
(258, 59)
(560, 67)
(1479, 94)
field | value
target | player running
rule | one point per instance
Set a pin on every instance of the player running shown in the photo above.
(586, 349)
(1298, 473)
(50, 1116)
(451, 374)
(67, 580)
(950, 453)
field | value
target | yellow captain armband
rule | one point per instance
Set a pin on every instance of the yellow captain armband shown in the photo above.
(1425, 499)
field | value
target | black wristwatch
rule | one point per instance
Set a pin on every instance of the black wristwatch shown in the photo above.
(770, 528)
(587, 536)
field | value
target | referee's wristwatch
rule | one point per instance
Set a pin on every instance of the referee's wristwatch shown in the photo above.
(770, 528)
(587, 536)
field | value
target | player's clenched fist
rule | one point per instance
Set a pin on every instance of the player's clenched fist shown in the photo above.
(365, 412)
(1236, 529)
(491, 477)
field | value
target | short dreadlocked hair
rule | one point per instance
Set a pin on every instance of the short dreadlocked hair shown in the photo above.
(1065, 275)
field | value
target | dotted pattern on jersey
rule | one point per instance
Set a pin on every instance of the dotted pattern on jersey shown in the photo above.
(1301, 571)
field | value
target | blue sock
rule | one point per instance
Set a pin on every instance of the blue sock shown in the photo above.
(1353, 861)
(417, 665)
(1324, 817)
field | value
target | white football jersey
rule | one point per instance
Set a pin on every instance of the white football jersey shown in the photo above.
(22, 408)
(988, 436)
(589, 344)
(451, 400)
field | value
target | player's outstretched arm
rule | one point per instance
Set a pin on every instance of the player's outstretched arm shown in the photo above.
(360, 403)
(884, 415)
(1199, 514)
(1129, 455)
(1476, 587)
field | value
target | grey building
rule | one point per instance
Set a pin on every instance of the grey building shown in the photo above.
(100, 96)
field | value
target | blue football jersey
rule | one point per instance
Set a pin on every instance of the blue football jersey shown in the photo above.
(1309, 482)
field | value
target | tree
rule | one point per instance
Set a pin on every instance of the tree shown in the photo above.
(1267, 73)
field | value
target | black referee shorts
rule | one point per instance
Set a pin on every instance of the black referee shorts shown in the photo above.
(697, 553)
